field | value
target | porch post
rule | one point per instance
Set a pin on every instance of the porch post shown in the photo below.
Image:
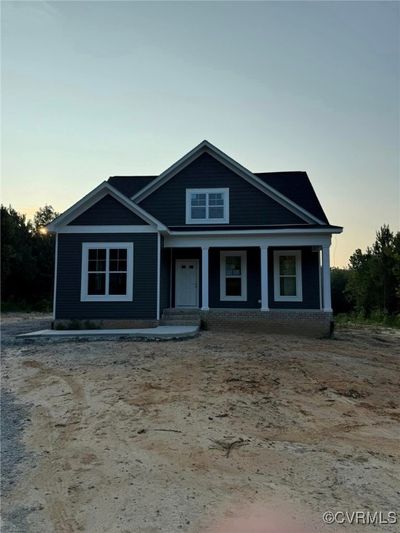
(326, 279)
(204, 278)
(264, 277)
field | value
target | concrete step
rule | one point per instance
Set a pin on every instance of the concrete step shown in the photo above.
(180, 317)
(179, 312)
(179, 322)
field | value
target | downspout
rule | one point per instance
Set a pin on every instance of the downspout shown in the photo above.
(158, 273)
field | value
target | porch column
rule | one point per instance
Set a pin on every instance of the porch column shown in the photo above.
(326, 279)
(264, 277)
(204, 278)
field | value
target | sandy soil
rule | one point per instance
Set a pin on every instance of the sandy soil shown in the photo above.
(135, 437)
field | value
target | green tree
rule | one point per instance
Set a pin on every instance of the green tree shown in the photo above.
(340, 300)
(18, 265)
(27, 259)
(42, 217)
(374, 276)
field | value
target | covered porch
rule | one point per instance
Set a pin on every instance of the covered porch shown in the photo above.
(252, 272)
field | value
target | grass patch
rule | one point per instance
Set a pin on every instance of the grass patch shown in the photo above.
(76, 324)
(375, 319)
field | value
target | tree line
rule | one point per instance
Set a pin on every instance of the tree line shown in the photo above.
(370, 286)
(27, 260)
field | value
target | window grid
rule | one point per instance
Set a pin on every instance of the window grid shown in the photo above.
(287, 276)
(207, 206)
(233, 267)
(114, 261)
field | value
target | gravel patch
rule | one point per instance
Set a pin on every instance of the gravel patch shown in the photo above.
(13, 324)
(15, 459)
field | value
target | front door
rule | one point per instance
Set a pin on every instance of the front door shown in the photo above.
(186, 283)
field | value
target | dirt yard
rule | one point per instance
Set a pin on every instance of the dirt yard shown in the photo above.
(137, 437)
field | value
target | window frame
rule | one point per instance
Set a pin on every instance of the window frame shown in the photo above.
(223, 296)
(128, 297)
(207, 191)
(278, 297)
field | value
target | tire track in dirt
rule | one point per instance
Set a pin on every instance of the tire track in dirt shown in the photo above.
(54, 493)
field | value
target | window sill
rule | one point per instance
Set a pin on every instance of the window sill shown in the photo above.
(288, 299)
(116, 298)
(233, 299)
(208, 221)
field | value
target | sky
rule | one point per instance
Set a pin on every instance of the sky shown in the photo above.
(94, 89)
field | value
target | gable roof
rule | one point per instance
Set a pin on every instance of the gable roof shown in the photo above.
(256, 181)
(93, 197)
(297, 186)
(130, 185)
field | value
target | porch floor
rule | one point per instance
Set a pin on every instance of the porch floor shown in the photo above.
(157, 333)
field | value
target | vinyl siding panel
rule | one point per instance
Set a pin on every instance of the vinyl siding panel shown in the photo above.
(248, 205)
(144, 304)
(165, 277)
(107, 211)
(253, 280)
(310, 275)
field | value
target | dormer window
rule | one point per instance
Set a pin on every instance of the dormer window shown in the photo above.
(207, 206)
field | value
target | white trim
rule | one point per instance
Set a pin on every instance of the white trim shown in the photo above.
(264, 277)
(285, 231)
(244, 241)
(55, 278)
(196, 262)
(223, 158)
(299, 278)
(326, 279)
(107, 229)
(320, 277)
(92, 198)
(204, 278)
(158, 274)
(207, 191)
(170, 277)
(152, 229)
(85, 297)
(243, 275)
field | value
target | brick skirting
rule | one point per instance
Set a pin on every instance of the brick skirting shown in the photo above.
(314, 323)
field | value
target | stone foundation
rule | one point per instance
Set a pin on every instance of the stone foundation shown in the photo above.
(103, 324)
(310, 323)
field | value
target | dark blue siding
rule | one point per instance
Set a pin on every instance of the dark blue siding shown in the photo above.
(248, 205)
(144, 304)
(107, 211)
(165, 277)
(310, 274)
(253, 280)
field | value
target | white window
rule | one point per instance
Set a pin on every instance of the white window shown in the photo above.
(287, 276)
(233, 276)
(207, 206)
(107, 272)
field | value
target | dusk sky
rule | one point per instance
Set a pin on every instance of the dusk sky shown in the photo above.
(93, 89)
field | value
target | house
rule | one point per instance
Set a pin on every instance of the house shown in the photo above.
(206, 238)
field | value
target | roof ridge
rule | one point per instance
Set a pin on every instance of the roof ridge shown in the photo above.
(141, 176)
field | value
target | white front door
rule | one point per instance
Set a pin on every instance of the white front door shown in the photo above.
(186, 283)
